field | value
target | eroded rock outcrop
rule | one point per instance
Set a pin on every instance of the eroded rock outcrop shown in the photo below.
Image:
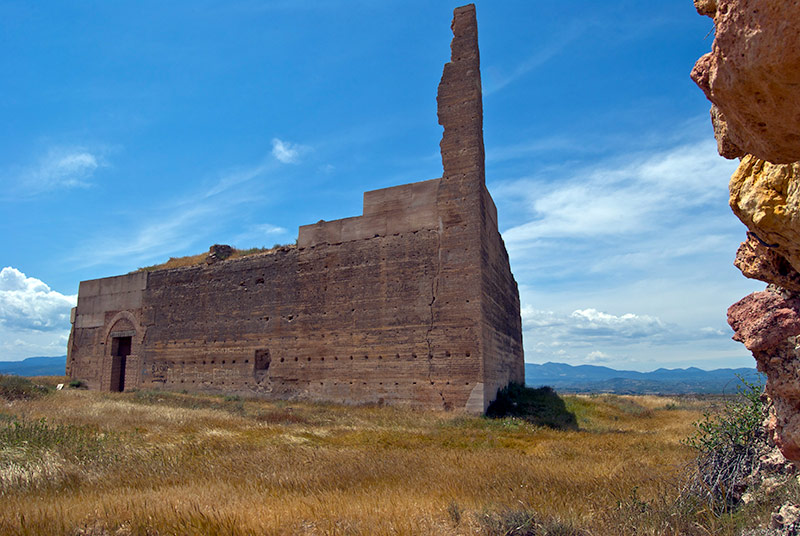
(752, 77)
(766, 197)
(759, 260)
(767, 323)
(219, 252)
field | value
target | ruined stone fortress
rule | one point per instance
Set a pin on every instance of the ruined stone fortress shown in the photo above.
(411, 303)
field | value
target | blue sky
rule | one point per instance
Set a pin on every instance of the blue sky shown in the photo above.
(136, 131)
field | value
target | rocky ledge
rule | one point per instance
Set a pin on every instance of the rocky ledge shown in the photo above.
(752, 79)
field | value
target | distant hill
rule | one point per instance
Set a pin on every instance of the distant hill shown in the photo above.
(560, 376)
(594, 379)
(35, 366)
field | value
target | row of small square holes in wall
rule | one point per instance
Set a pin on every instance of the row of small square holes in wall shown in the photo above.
(379, 383)
(335, 358)
(193, 381)
(366, 357)
(212, 362)
(284, 383)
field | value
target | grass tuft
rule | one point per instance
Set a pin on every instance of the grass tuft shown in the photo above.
(196, 260)
(19, 388)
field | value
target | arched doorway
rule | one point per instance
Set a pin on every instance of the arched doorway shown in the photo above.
(123, 345)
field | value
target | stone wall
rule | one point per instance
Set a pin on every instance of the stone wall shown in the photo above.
(413, 302)
(106, 308)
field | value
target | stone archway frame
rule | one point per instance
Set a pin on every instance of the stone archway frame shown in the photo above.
(123, 324)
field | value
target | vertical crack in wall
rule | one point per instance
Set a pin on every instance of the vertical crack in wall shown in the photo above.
(434, 291)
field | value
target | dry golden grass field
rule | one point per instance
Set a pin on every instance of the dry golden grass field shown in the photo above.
(147, 463)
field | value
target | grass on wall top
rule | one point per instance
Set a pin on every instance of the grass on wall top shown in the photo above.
(195, 260)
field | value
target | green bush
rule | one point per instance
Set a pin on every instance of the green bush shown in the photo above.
(542, 407)
(77, 384)
(729, 444)
(19, 388)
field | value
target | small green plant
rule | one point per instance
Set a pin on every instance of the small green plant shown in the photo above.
(77, 384)
(728, 444)
(525, 523)
(510, 523)
(454, 512)
(634, 502)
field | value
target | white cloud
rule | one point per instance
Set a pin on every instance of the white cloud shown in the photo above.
(629, 255)
(596, 356)
(17, 345)
(594, 323)
(269, 229)
(286, 152)
(591, 336)
(72, 167)
(26, 303)
(60, 168)
(590, 324)
(630, 198)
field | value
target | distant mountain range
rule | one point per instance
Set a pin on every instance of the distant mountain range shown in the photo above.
(35, 366)
(593, 379)
(560, 376)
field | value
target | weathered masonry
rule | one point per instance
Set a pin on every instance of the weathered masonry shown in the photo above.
(411, 303)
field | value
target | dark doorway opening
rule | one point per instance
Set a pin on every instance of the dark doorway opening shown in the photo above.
(261, 363)
(262, 359)
(120, 350)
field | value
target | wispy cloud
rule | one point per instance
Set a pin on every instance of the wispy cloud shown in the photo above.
(286, 152)
(264, 234)
(531, 148)
(167, 232)
(628, 256)
(235, 177)
(630, 198)
(497, 79)
(172, 226)
(58, 169)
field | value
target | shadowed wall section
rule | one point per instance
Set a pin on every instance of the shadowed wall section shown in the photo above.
(413, 302)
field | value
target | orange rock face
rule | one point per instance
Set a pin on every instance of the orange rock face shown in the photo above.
(752, 77)
(413, 302)
(766, 198)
